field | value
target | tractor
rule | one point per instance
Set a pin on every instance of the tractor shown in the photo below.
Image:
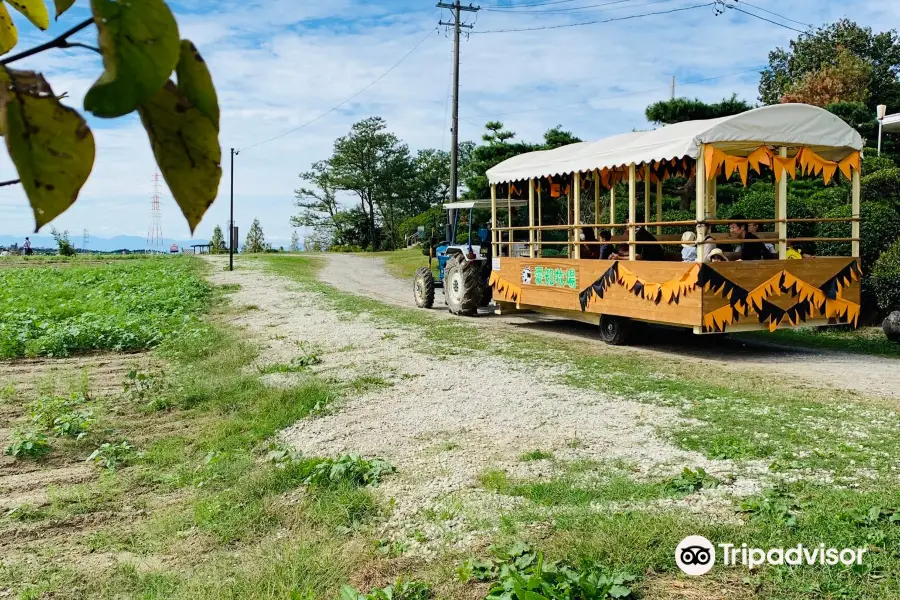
(463, 269)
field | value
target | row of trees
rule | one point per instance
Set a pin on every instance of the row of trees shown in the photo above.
(255, 241)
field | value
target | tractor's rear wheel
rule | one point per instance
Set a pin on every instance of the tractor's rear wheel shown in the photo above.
(462, 286)
(423, 287)
(615, 331)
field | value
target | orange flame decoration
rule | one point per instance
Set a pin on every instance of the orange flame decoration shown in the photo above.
(504, 289)
(825, 299)
(809, 162)
(667, 292)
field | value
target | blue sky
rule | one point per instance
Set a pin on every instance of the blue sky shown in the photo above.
(280, 63)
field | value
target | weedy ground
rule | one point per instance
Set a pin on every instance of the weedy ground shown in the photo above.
(192, 495)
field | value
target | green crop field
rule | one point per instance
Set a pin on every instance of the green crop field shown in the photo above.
(121, 306)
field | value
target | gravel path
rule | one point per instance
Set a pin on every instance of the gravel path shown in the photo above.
(866, 375)
(443, 424)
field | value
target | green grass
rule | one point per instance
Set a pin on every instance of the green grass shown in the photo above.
(867, 340)
(121, 306)
(403, 263)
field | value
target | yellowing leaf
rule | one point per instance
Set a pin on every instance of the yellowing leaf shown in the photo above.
(140, 45)
(34, 10)
(196, 83)
(186, 146)
(9, 36)
(50, 144)
(62, 6)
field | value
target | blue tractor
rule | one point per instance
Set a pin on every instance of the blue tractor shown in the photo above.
(463, 268)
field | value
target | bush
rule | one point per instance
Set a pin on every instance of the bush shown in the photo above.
(882, 186)
(30, 444)
(874, 163)
(880, 227)
(829, 199)
(886, 279)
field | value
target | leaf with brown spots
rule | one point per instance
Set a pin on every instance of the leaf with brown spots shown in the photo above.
(196, 83)
(50, 144)
(140, 46)
(62, 6)
(34, 10)
(186, 146)
(9, 36)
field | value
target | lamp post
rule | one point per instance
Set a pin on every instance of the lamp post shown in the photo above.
(882, 111)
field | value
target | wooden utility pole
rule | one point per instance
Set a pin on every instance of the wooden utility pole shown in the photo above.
(457, 8)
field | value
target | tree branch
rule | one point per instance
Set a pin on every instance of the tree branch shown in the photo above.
(66, 44)
(58, 42)
(10, 182)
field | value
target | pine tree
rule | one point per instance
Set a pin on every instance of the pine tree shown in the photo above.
(217, 242)
(295, 242)
(256, 240)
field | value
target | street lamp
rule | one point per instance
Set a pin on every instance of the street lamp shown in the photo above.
(882, 111)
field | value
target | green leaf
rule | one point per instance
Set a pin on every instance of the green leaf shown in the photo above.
(34, 10)
(50, 144)
(140, 46)
(186, 146)
(619, 591)
(62, 6)
(196, 83)
(348, 592)
(9, 36)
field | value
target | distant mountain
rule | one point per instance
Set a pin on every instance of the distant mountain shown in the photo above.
(119, 242)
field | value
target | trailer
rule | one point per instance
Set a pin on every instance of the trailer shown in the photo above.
(775, 142)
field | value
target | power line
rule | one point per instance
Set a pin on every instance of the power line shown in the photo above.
(732, 7)
(776, 14)
(515, 112)
(516, 6)
(549, 10)
(351, 98)
(598, 21)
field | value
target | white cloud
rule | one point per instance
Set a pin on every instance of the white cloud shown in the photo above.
(280, 63)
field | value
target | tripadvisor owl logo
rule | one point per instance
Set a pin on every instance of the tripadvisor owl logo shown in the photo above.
(695, 555)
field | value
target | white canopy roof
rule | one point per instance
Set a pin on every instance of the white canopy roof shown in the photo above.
(781, 124)
(467, 204)
(891, 123)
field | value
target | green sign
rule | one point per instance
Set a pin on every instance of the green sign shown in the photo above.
(558, 278)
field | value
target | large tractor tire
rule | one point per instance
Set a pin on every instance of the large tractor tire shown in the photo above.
(462, 286)
(615, 331)
(423, 288)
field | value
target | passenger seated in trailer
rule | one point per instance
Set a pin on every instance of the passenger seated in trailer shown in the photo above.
(717, 256)
(647, 251)
(589, 251)
(754, 229)
(688, 247)
(752, 251)
(607, 250)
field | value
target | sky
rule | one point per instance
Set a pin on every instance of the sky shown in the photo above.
(279, 64)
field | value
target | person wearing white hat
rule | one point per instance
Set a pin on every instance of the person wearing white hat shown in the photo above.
(716, 255)
(688, 246)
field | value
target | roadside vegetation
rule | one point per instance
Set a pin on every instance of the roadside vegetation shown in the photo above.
(120, 306)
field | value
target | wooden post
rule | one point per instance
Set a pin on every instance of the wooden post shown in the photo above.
(612, 201)
(647, 217)
(701, 203)
(531, 218)
(854, 212)
(659, 206)
(712, 198)
(632, 210)
(495, 248)
(781, 208)
(540, 235)
(576, 183)
(596, 201)
(509, 218)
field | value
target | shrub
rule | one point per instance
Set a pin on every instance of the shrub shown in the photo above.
(47, 410)
(880, 227)
(873, 163)
(111, 456)
(882, 186)
(886, 278)
(73, 424)
(349, 468)
(30, 444)
(677, 215)
(828, 199)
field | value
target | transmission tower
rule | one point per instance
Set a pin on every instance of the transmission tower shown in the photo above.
(154, 234)
(85, 238)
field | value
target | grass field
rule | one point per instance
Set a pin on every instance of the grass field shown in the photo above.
(120, 306)
(403, 263)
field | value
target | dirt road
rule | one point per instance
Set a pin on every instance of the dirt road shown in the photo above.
(865, 375)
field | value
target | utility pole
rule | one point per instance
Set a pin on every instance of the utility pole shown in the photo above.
(231, 218)
(457, 8)
(673, 87)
